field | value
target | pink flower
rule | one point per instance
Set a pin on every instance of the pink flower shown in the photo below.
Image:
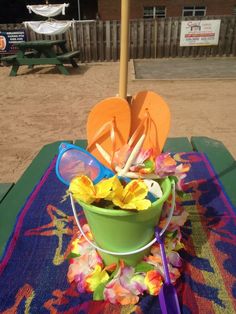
(174, 259)
(81, 266)
(125, 287)
(174, 273)
(81, 243)
(165, 166)
(143, 163)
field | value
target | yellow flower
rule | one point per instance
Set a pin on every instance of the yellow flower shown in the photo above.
(116, 189)
(84, 190)
(132, 196)
(74, 246)
(95, 278)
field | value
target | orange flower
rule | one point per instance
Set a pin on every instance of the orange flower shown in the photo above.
(153, 281)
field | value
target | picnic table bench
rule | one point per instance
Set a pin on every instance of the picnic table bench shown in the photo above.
(41, 52)
(9, 59)
(13, 197)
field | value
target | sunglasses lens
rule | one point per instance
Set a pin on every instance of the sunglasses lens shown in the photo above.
(74, 163)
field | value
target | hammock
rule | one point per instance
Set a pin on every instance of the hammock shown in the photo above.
(48, 10)
(49, 27)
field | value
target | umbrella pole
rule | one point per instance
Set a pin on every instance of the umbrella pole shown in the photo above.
(124, 48)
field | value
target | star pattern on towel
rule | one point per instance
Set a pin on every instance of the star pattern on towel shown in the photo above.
(60, 225)
(23, 298)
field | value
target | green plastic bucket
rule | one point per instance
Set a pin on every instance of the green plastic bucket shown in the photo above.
(125, 231)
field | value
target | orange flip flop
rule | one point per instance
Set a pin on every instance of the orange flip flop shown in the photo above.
(108, 125)
(150, 116)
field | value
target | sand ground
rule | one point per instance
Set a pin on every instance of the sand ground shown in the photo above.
(41, 106)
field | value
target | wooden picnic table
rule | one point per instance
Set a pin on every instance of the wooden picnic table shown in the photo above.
(12, 198)
(41, 52)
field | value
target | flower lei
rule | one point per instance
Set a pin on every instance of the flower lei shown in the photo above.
(122, 284)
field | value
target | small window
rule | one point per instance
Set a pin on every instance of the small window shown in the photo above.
(160, 11)
(152, 12)
(148, 12)
(188, 13)
(194, 11)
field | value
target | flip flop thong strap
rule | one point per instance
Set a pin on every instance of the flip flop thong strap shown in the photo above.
(150, 123)
(146, 122)
(137, 131)
(110, 125)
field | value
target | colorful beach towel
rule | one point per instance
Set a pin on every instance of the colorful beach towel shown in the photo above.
(33, 270)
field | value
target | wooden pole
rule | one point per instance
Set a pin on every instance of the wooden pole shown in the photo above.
(124, 48)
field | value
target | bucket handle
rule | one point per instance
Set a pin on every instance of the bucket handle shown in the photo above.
(130, 252)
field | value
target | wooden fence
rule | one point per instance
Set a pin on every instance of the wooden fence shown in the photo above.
(156, 38)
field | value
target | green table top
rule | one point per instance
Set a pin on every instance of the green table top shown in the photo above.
(39, 43)
(220, 158)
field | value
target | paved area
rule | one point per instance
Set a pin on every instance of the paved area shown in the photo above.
(185, 69)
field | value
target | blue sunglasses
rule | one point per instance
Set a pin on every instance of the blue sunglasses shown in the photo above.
(74, 161)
